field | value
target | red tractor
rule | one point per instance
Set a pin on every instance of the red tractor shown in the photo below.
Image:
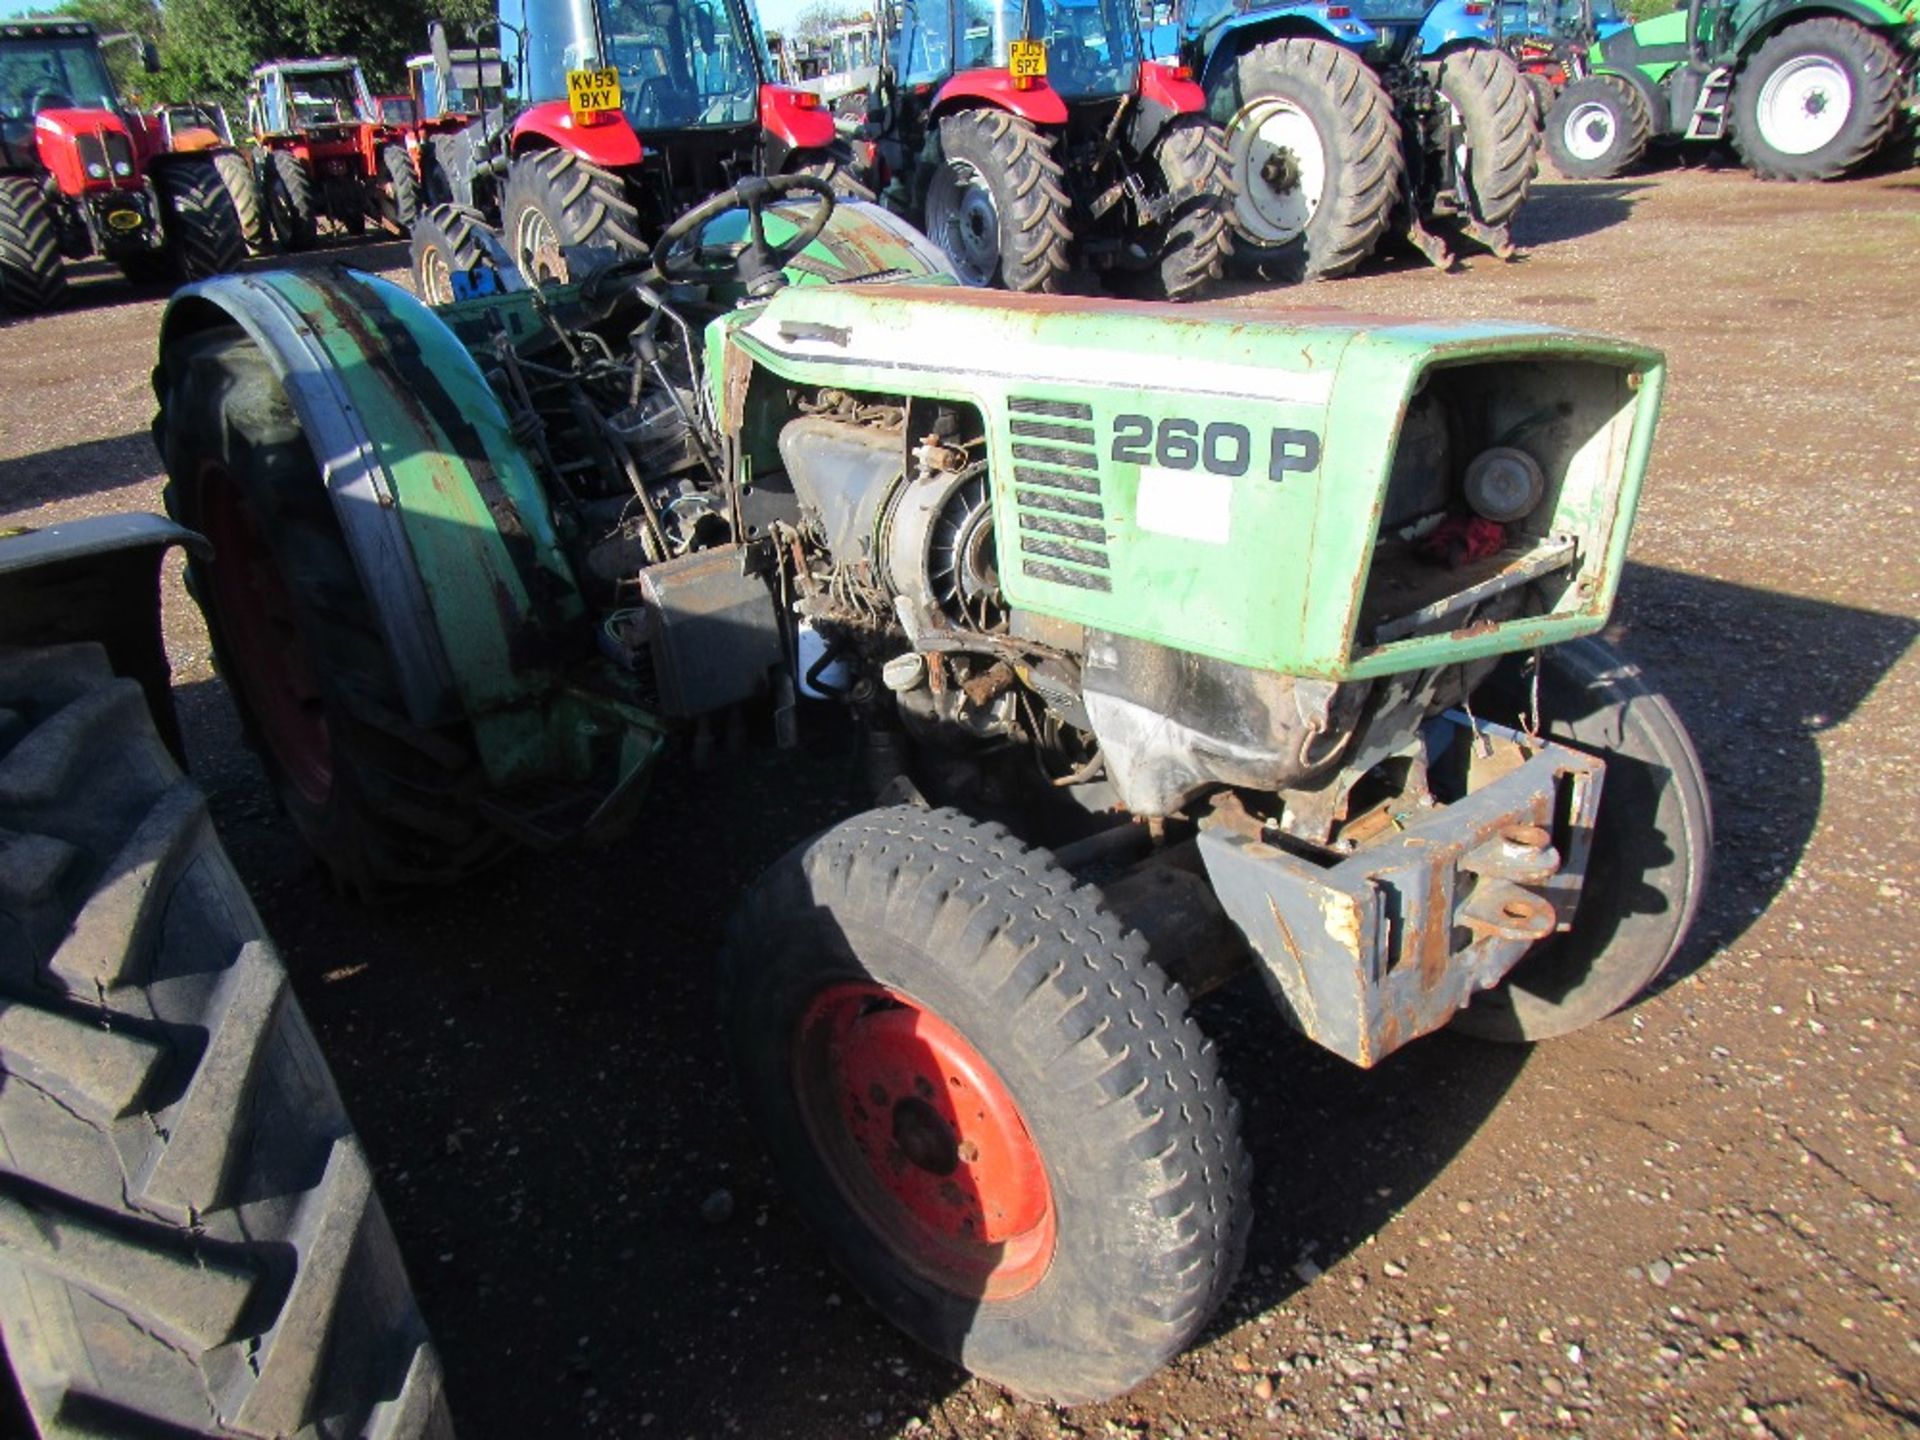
(629, 112)
(325, 154)
(80, 176)
(1019, 132)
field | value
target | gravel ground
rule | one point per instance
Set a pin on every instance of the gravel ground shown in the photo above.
(1697, 1218)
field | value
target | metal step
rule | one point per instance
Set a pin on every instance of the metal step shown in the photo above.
(1709, 118)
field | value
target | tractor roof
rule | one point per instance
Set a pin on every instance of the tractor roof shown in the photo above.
(38, 27)
(320, 66)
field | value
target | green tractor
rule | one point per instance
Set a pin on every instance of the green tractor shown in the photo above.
(1805, 89)
(1288, 663)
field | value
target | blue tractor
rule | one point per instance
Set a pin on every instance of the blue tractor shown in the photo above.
(1346, 118)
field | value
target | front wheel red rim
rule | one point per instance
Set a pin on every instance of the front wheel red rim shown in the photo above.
(925, 1141)
(257, 619)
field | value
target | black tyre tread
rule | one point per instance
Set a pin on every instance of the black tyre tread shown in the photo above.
(1636, 127)
(834, 164)
(1497, 110)
(188, 1231)
(450, 230)
(586, 205)
(244, 190)
(1080, 1000)
(203, 230)
(1878, 71)
(295, 217)
(1036, 234)
(1365, 163)
(1193, 162)
(403, 186)
(32, 277)
(405, 808)
(1593, 671)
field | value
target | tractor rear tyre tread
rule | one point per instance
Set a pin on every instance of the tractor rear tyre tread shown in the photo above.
(1496, 109)
(1652, 844)
(244, 190)
(1873, 69)
(444, 243)
(403, 185)
(203, 231)
(1354, 116)
(1192, 158)
(1029, 189)
(190, 1242)
(290, 201)
(399, 807)
(582, 203)
(1117, 1088)
(32, 277)
(834, 164)
(1632, 128)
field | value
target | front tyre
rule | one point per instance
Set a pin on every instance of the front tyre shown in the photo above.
(1816, 101)
(292, 210)
(444, 244)
(31, 275)
(204, 236)
(237, 175)
(403, 187)
(1597, 128)
(997, 203)
(1652, 841)
(991, 1106)
(1499, 138)
(1315, 155)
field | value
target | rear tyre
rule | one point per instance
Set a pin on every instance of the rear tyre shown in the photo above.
(1598, 128)
(1501, 130)
(237, 175)
(1191, 156)
(197, 215)
(403, 186)
(1651, 845)
(1315, 154)
(383, 802)
(290, 202)
(190, 1242)
(992, 1107)
(1817, 100)
(997, 203)
(31, 275)
(444, 246)
(555, 199)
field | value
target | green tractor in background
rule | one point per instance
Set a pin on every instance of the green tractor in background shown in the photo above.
(1288, 663)
(1805, 89)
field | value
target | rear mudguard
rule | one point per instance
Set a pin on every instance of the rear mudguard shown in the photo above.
(1040, 105)
(1211, 52)
(1166, 92)
(1454, 25)
(440, 507)
(612, 146)
(795, 119)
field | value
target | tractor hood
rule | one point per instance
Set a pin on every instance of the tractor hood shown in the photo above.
(87, 150)
(1281, 490)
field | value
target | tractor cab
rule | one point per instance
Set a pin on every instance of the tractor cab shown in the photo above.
(317, 99)
(689, 79)
(58, 107)
(1079, 49)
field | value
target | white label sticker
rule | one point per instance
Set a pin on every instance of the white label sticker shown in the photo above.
(1186, 504)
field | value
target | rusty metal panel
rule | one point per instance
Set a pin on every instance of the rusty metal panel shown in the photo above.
(1388, 944)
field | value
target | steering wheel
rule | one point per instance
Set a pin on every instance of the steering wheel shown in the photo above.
(48, 99)
(678, 255)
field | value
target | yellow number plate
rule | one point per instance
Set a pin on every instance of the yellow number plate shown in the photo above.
(1027, 59)
(589, 91)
